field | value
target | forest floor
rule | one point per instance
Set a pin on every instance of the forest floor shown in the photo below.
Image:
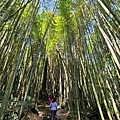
(43, 113)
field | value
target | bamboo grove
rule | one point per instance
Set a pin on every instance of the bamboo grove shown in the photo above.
(69, 48)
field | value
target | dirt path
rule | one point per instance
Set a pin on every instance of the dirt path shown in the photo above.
(44, 114)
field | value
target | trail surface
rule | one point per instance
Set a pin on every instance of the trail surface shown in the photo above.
(44, 114)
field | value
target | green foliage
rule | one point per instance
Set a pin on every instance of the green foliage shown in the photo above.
(74, 27)
(29, 103)
(1, 95)
(54, 34)
(65, 7)
(27, 12)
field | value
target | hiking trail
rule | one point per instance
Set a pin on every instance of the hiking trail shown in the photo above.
(42, 112)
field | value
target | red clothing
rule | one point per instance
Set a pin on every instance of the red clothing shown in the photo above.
(50, 100)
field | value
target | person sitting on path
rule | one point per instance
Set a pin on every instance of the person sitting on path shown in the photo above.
(53, 108)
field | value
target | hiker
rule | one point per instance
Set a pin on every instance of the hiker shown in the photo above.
(53, 108)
